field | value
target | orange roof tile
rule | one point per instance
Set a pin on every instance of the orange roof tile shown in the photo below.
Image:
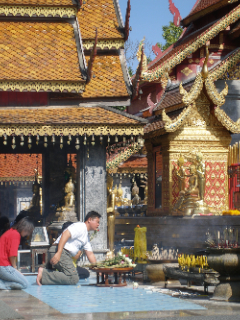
(38, 2)
(38, 51)
(65, 115)
(108, 80)
(135, 162)
(20, 166)
(100, 14)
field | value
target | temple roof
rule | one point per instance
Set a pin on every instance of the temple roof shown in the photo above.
(103, 15)
(19, 167)
(39, 2)
(69, 119)
(134, 163)
(32, 51)
(203, 7)
(108, 83)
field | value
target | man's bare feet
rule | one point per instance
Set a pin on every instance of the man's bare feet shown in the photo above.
(39, 276)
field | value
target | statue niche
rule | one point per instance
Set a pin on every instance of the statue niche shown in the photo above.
(191, 199)
(67, 212)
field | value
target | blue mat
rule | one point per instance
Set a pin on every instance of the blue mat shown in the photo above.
(87, 298)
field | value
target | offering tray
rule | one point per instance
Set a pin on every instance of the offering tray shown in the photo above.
(119, 276)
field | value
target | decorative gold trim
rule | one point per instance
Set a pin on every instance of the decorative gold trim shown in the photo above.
(226, 69)
(173, 125)
(42, 85)
(228, 123)
(113, 164)
(217, 98)
(132, 170)
(16, 179)
(214, 30)
(88, 44)
(186, 71)
(38, 11)
(74, 130)
(191, 96)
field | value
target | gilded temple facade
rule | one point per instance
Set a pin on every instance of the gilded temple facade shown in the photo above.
(63, 70)
(186, 112)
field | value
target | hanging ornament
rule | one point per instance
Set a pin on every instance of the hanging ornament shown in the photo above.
(29, 142)
(53, 139)
(93, 140)
(13, 142)
(69, 139)
(85, 139)
(101, 139)
(21, 140)
(108, 139)
(37, 139)
(61, 142)
(45, 139)
(116, 138)
(131, 137)
(77, 146)
(5, 139)
(124, 140)
(88, 153)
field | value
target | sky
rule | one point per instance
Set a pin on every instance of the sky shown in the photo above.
(148, 17)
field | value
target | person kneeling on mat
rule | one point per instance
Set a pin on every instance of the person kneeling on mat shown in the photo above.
(67, 245)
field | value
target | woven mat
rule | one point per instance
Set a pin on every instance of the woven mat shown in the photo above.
(7, 312)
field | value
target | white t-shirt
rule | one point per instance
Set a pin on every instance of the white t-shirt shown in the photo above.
(79, 238)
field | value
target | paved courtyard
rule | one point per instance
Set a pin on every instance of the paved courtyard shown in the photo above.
(86, 301)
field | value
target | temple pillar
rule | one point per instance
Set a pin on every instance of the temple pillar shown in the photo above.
(93, 190)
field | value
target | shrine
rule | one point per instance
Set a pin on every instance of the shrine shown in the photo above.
(63, 73)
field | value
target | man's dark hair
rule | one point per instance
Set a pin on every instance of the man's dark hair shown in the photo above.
(25, 224)
(92, 215)
(66, 225)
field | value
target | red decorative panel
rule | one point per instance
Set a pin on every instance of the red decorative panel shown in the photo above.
(215, 184)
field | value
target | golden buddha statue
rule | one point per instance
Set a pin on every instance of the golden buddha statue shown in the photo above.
(110, 212)
(69, 198)
(135, 193)
(191, 199)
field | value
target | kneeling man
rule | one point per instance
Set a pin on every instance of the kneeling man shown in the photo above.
(68, 245)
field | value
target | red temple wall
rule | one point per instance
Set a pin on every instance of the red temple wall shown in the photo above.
(12, 98)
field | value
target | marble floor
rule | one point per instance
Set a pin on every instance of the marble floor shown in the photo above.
(86, 301)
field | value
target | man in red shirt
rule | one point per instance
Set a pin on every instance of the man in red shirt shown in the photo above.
(10, 278)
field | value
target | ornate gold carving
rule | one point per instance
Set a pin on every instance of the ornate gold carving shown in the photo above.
(173, 125)
(186, 71)
(212, 32)
(226, 70)
(211, 61)
(42, 85)
(88, 44)
(191, 96)
(139, 53)
(217, 98)
(65, 130)
(227, 122)
(113, 164)
(24, 178)
(38, 11)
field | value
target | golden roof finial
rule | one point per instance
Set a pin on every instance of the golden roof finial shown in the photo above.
(205, 68)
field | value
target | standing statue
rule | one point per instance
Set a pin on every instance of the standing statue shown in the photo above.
(110, 213)
(36, 192)
(181, 174)
(69, 198)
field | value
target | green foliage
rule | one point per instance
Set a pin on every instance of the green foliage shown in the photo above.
(149, 59)
(171, 34)
(130, 71)
(120, 108)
